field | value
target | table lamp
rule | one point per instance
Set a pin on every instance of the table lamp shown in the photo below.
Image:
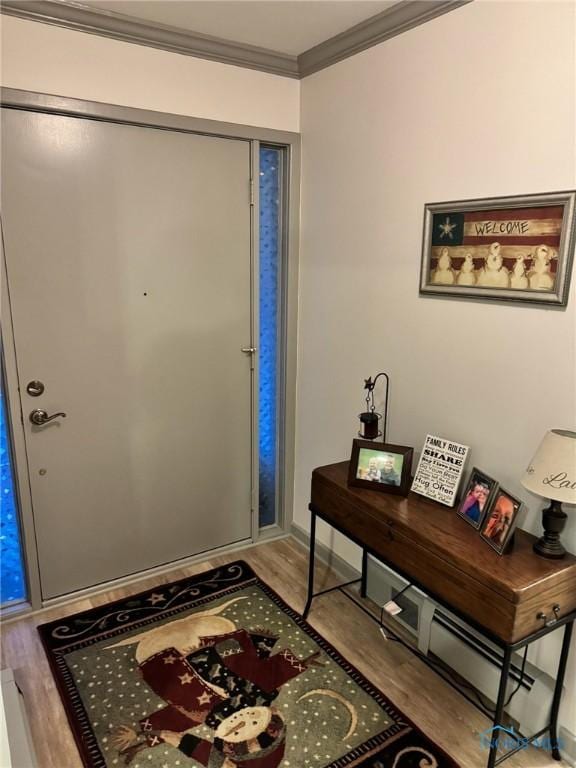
(552, 474)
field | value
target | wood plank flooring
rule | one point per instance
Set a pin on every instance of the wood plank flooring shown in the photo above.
(419, 692)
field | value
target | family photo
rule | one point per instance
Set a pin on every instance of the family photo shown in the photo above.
(378, 467)
(476, 496)
(501, 520)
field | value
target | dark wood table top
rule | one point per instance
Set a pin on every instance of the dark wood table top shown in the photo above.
(440, 529)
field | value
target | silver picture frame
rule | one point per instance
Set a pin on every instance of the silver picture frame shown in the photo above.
(516, 248)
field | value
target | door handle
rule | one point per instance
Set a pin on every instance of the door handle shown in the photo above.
(248, 350)
(40, 417)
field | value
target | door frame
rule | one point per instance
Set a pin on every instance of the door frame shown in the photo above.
(290, 143)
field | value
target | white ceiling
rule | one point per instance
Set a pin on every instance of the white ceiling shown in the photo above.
(287, 26)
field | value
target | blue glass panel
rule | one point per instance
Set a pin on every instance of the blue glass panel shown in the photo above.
(270, 177)
(12, 582)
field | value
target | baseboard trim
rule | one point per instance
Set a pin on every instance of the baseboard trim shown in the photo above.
(341, 567)
(568, 741)
(376, 571)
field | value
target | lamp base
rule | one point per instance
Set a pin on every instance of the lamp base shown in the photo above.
(553, 520)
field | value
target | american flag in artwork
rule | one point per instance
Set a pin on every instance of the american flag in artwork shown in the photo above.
(504, 248)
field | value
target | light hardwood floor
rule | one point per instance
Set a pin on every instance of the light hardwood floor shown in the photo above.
(418, 691)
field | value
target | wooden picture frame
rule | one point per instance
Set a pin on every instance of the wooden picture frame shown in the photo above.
(477, 497)
(503, 248)
(380, 466)
(500, 520)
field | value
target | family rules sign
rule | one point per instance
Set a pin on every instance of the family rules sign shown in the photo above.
(440, 469)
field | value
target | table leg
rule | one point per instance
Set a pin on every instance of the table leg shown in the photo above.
(311, 558)
(495, 736)
(364, 573)
(558, 690)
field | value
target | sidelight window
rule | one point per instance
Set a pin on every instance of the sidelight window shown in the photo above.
(12, 580)
(270, 342)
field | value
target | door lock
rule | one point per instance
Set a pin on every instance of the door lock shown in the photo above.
(35, 388)
(40, 417)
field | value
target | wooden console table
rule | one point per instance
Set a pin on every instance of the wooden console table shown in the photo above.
(512, 599)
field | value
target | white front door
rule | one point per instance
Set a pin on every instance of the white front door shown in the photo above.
(128, 261)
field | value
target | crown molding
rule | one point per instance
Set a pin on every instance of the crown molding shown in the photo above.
(131, 30)
(401, 17)
(391, 22)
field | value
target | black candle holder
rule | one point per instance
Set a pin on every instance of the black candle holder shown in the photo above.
(369, 419)
(370, 425)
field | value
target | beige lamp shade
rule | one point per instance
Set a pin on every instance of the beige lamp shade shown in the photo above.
(552, 471)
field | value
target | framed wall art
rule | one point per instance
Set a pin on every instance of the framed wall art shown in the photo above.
(502, 248)
(380, 466)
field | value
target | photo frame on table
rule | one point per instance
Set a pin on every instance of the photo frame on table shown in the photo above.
(503, 248)
(380, 466)
(477, 497)
(500, 520)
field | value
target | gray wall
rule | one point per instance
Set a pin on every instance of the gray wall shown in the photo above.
(477, 103)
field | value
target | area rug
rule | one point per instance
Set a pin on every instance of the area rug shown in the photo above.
(216, 670)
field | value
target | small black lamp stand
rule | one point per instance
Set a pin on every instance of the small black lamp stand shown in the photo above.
(369, 419)
(552, 474)
(553, 521)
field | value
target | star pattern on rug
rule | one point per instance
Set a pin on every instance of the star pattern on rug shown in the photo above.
(155, 597)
